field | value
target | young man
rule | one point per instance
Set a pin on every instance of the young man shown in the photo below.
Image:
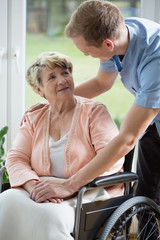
(131, 47)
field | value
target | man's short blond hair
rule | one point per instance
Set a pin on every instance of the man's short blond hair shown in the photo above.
(95, 21)
(46, 59)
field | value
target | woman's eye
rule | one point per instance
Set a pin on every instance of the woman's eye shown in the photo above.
(52, 77)
(66, 73)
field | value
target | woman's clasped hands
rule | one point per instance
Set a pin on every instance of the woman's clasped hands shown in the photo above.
(49, 191)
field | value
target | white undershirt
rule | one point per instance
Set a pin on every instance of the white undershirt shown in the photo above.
(56, 150)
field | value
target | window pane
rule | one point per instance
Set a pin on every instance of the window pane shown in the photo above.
(45, 32)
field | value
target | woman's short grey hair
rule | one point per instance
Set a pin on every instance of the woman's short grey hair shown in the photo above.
(46, 59)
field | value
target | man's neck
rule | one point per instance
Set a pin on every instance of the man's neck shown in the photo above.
(121, 44)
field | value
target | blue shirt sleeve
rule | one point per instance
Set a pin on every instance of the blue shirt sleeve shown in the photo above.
(148, 94)
(108, 66)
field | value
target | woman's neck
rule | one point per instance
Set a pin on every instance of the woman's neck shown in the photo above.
(61, 118)
(62, 107)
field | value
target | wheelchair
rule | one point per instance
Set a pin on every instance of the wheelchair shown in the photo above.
(125, 217)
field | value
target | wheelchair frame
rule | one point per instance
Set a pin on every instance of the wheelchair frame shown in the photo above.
(97, 220)
(109, 219)
(90, 216)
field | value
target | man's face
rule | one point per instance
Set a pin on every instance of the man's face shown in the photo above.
(102, 52)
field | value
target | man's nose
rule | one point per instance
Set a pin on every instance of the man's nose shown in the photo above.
(86, 54)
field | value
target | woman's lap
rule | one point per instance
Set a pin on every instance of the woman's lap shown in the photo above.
(34, 221)
(23, 218)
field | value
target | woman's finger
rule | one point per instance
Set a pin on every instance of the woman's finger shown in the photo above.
(40, 189)
(56, 200)
(47, 201)
(38, 193)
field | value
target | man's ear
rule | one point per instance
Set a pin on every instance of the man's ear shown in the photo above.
(109, 43)
(39, 91)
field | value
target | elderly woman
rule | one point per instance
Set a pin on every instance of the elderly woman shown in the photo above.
(55, 140)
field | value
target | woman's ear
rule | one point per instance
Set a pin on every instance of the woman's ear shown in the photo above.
(39, 91)
(109, 43)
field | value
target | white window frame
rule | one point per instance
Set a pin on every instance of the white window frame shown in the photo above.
(12, 75)
(151, 9)
(3, 64)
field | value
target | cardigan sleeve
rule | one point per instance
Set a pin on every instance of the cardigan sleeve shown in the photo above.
(18, 158)
(102, 131)
(102, 127)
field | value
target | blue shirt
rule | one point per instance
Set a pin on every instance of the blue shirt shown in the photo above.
(140, 67)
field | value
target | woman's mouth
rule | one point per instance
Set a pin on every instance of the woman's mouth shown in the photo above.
(62, 89)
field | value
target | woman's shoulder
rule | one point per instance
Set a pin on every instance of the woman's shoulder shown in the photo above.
(35, 112)
(41, 106)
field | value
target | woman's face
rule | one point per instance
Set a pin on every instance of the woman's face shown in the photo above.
(57, 84)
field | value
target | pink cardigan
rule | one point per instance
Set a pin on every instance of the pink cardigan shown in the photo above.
(91, 129)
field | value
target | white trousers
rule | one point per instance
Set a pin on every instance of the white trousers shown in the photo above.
(23, 219)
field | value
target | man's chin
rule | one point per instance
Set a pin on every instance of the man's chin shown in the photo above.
(104, 59)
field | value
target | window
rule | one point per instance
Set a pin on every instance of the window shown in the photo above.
(45, 31)
(12, 65)
(13, 44)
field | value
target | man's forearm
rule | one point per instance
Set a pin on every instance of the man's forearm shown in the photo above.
(131, 130)
(97, 85)
(87, 89)
(103, 161)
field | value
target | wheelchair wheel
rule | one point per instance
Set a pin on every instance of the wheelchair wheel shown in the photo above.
(136, 218)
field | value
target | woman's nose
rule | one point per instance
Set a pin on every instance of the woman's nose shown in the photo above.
(62, 80)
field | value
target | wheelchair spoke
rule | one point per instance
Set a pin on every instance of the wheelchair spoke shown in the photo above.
(143, 230)
(139, 221)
